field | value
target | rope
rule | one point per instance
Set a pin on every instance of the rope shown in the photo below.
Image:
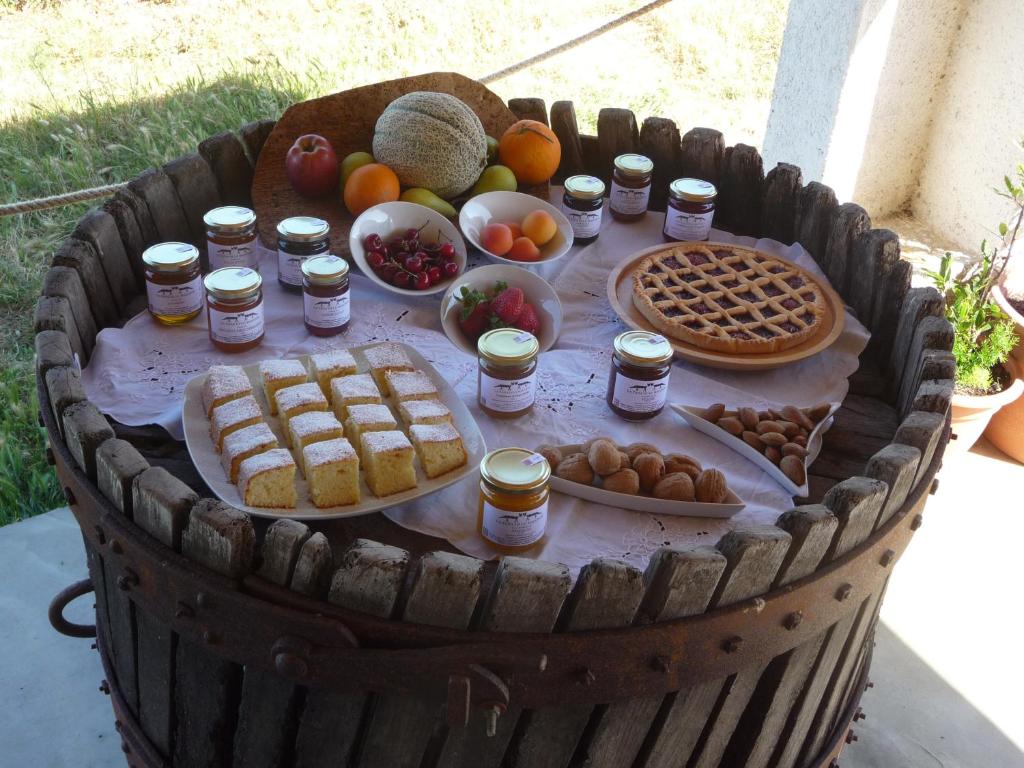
(56, 201)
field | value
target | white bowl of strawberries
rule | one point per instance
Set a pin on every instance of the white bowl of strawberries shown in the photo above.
(407, 248)
(500, 296)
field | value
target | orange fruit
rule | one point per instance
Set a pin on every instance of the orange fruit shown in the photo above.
(539, 226)
(523, 249)
(370, 185)
(531, 150)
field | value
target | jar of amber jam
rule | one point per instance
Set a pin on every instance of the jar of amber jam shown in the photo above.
(298, 238)
(583, 204)
(631, 187)
(234, 308)
(325, 296)
(513, 512)
(690, 209)
(638, 382)
(231, 237)
(173, 282)
(507, 380)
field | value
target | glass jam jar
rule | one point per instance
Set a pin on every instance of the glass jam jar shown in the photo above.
(325, 296)
(690, 209)
(234, 308)
(507, 380)
(513, 511)
(231, 237)
(298, 238)
(583, 204)
(638, 381)
(631, 187)
(173, 282)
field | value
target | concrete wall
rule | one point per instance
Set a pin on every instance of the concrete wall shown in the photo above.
(977, 121)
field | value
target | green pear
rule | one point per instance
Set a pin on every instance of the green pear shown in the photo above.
(353, 161)
(492, 149)
(426, 197)
(495, 178)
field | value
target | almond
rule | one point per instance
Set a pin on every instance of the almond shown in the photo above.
(710, 487)
(677, 486)
(793, 468)
(768, 426)
(789, 429)
(603, 457)
(732, 425)
(773, 454)
(623, 481)
(774, 438)
(575, 468)
(752, 439)
(764, 416)
(792, 449)
(650, 467)
(749, 417)
(817, 412)
(713, 412)
(797, 416)
(800, 440)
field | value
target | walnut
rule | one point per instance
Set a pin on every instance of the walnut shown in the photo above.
(585, 448)
(650, 467)
(680, 462)
(624, 461)
(623, 481)
(710, 487)
(603, 457)
(552, 453)
(635, 449)
(677, 486)
(575, 467)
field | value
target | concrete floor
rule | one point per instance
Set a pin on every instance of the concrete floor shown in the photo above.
(946, 669)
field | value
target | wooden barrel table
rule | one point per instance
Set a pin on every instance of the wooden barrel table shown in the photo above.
(226, 641)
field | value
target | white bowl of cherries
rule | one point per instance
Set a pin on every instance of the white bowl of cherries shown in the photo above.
(407, 248)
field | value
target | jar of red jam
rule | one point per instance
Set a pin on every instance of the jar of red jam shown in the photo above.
(325, 295)
(298, 238)
(631, 187)
(582, 204)
(690, 209)
(638, 382)
(234, 308)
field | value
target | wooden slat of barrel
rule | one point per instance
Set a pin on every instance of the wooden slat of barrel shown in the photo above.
(930, 333)
(157, 191)
(82, 257)
(838, 259)
(528, 109)
(895, 465)
(254, 136)
(312, 572)
(444, 592)
(617, 134)
(918, 304)
(888, 307)
(607, 594)
(53, 348)
(66, 283)
(526, 596)
(660, 141)
(234, 171)
(680, 582)
(740, 190)
(143, 219)
(856, 502)
(196, 189)
(369, 579)
(591, 154)
(815, 210)
(131, 237)
(99, 229)
(206, 687)
(779, 203)
(871, 261)
(701, 151)
(923, 431)
(53, 313)
(754, 556)
(934, 396)
(563, 123)
(161, 505)
(64, 386)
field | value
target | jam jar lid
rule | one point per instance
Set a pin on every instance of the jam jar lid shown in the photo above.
(507, 346)
(229, 218)
(170, 256)
(233, 283)
(643, 348)
(325, 270)
(584, 187)
(515, 469)
(694, 190)
(634, 165)
(303, 229)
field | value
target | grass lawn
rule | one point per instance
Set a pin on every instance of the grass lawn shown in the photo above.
(94, 92)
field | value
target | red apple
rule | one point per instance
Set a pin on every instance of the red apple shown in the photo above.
(312, 166)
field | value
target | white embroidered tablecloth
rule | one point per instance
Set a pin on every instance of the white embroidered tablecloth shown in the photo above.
(137, 375)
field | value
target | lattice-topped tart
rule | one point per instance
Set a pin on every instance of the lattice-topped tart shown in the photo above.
(728, 298)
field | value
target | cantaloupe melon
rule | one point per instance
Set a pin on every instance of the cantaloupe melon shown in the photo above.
(431, 140)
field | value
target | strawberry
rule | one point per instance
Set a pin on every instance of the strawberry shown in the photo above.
(476, 322)
(528, 320)
(508, 304)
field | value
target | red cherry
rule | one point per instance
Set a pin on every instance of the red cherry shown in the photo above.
(451, 269)
(401, 279)
(414, 264)
(375, 259)
(422, 281)
(447, 251)
(411, 233)
(434, 273)
(372, 242)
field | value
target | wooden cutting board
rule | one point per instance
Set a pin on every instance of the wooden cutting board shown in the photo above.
(347, 120)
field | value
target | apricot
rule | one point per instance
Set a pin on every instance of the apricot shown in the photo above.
(514, 228)
(496, 238)
(539, 226)
(523, 249)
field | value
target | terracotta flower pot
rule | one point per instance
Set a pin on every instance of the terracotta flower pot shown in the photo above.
(999, 294)
(972, 413)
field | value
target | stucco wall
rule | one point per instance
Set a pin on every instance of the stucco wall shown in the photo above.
(977, 120)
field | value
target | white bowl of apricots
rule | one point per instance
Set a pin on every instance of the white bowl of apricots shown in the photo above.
(515, 228)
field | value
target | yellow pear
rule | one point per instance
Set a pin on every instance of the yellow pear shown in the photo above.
(426, 197)
(353, 161)
(495, 178)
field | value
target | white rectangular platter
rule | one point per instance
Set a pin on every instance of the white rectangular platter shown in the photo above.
(692, 415)
(639, 503)
(207, 460)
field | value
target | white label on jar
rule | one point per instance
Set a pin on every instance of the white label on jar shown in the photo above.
(507, 396)
(174, 300)
(325, 312)
(514, 529)
(584, 223)
(687, 226)
(629, 200)
(638, 396)
(241, 255)
(289, 267)
(236, 327)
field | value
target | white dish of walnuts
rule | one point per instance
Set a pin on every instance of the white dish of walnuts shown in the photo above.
(782, 441)
(640, 477)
